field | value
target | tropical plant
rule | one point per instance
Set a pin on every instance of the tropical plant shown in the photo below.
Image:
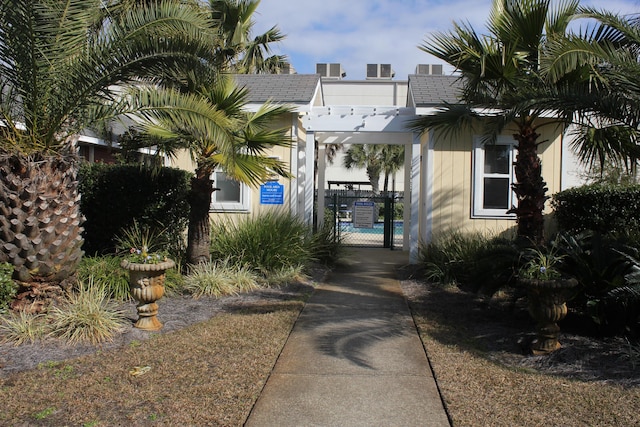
(376, 159)
(61, 66)
(238, 51)
(501, 79)
(142, 245)
(540, 263)
(598, 75)
(211, 124)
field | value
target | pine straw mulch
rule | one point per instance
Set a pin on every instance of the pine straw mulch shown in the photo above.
(207, 366)
(478, 351)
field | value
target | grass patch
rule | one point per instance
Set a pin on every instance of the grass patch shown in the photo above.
(221, 364)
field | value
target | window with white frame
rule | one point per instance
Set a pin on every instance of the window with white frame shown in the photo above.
(493, 177)
(230, 195)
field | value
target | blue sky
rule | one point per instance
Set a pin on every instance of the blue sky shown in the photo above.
(358, 32)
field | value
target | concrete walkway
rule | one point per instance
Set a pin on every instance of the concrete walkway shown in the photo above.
(354, 357)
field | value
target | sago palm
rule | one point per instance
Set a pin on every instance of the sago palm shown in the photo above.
(61, 62)
(210, 122)
(500, 77)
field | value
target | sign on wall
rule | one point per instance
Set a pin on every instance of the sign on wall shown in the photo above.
(272, 193)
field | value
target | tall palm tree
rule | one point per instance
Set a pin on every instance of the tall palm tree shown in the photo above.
(240, 51)
(60, 64)
(210, 122)
(392, 159)
(501, 79)
(598, 73)
(369, 157)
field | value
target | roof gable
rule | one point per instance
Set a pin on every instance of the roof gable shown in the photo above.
(280, 88)
(433, 90)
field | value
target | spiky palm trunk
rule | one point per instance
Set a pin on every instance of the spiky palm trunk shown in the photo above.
(530, 188)
(40, 219)
(199, 234)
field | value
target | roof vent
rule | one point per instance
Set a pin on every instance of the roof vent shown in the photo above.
(429, 69)
(380, 71)
(330, 71)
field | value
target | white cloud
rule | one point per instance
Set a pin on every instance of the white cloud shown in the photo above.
(357, 32)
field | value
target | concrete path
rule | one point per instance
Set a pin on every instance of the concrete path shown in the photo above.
(354, 357)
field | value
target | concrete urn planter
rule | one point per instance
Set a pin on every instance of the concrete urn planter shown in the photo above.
(146, 285)
(547, 306)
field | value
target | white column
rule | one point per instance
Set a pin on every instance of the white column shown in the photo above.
(412, 157)
(426, 221)
(305, 178)
(293, 167)
(321, 178)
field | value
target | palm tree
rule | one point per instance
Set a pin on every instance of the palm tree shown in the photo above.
(368, 157)
(392, 159)
(599, 77)
(210, 123)
(239, 52)
(60, 64)
(501, 80)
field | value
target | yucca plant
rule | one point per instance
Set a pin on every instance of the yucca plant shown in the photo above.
(61, 64)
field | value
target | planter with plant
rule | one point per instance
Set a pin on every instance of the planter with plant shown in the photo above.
(548, 291)
(147, 266)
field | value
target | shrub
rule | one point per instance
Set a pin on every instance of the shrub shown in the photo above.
(105, 272)
(474, 261)
(266, 242)
(608, 271)
(220, 278)
(22, 328)
(600, 208)
(8, 287)
(88, 316)
(114, 195)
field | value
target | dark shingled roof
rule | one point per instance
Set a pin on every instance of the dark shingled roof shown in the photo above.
(432, 90)
(279, 88)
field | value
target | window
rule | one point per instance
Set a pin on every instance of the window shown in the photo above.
(493, 176)
(230, 196)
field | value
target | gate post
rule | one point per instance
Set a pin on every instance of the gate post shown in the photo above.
(388, 221)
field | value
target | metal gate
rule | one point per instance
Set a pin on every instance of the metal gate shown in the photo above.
(383, 229)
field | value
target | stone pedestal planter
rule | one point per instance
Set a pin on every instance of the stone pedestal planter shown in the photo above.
(146, 284)
(547, 306)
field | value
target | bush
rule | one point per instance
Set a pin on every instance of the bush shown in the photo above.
(220, 278)
(270, 242)
(113, 196)
(600, 208)
(608, 271)
(475, 261)
(88, 316)
(8, 287)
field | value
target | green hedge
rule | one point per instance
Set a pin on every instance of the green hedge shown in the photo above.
(599, 208)
(114, 195)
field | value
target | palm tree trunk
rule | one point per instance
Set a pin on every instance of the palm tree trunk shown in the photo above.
(40, 219)
(530, 188)
(199, 234)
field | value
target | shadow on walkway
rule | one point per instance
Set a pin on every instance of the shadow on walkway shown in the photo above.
(354, 357)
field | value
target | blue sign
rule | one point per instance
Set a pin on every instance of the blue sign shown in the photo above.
(272, 193)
